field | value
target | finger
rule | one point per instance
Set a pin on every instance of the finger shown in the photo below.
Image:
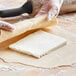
(16, 19)
(53, 12)
(44, 9)
(6, 26)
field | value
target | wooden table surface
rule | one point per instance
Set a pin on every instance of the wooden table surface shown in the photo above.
(61, 56)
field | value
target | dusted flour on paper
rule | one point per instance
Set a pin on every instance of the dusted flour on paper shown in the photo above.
(20, 69)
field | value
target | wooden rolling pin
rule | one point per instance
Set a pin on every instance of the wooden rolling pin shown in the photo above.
(68, 6)
(26, 25)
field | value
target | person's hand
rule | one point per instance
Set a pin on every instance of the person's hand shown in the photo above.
(49, 7)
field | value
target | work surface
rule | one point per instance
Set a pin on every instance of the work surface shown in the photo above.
(61, 56)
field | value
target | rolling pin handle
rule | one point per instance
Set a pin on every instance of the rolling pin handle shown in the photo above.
(26, 8)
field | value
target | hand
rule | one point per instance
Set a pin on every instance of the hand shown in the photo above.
(49, 7)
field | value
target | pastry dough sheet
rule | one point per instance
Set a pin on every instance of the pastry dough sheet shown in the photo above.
(38, 43)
